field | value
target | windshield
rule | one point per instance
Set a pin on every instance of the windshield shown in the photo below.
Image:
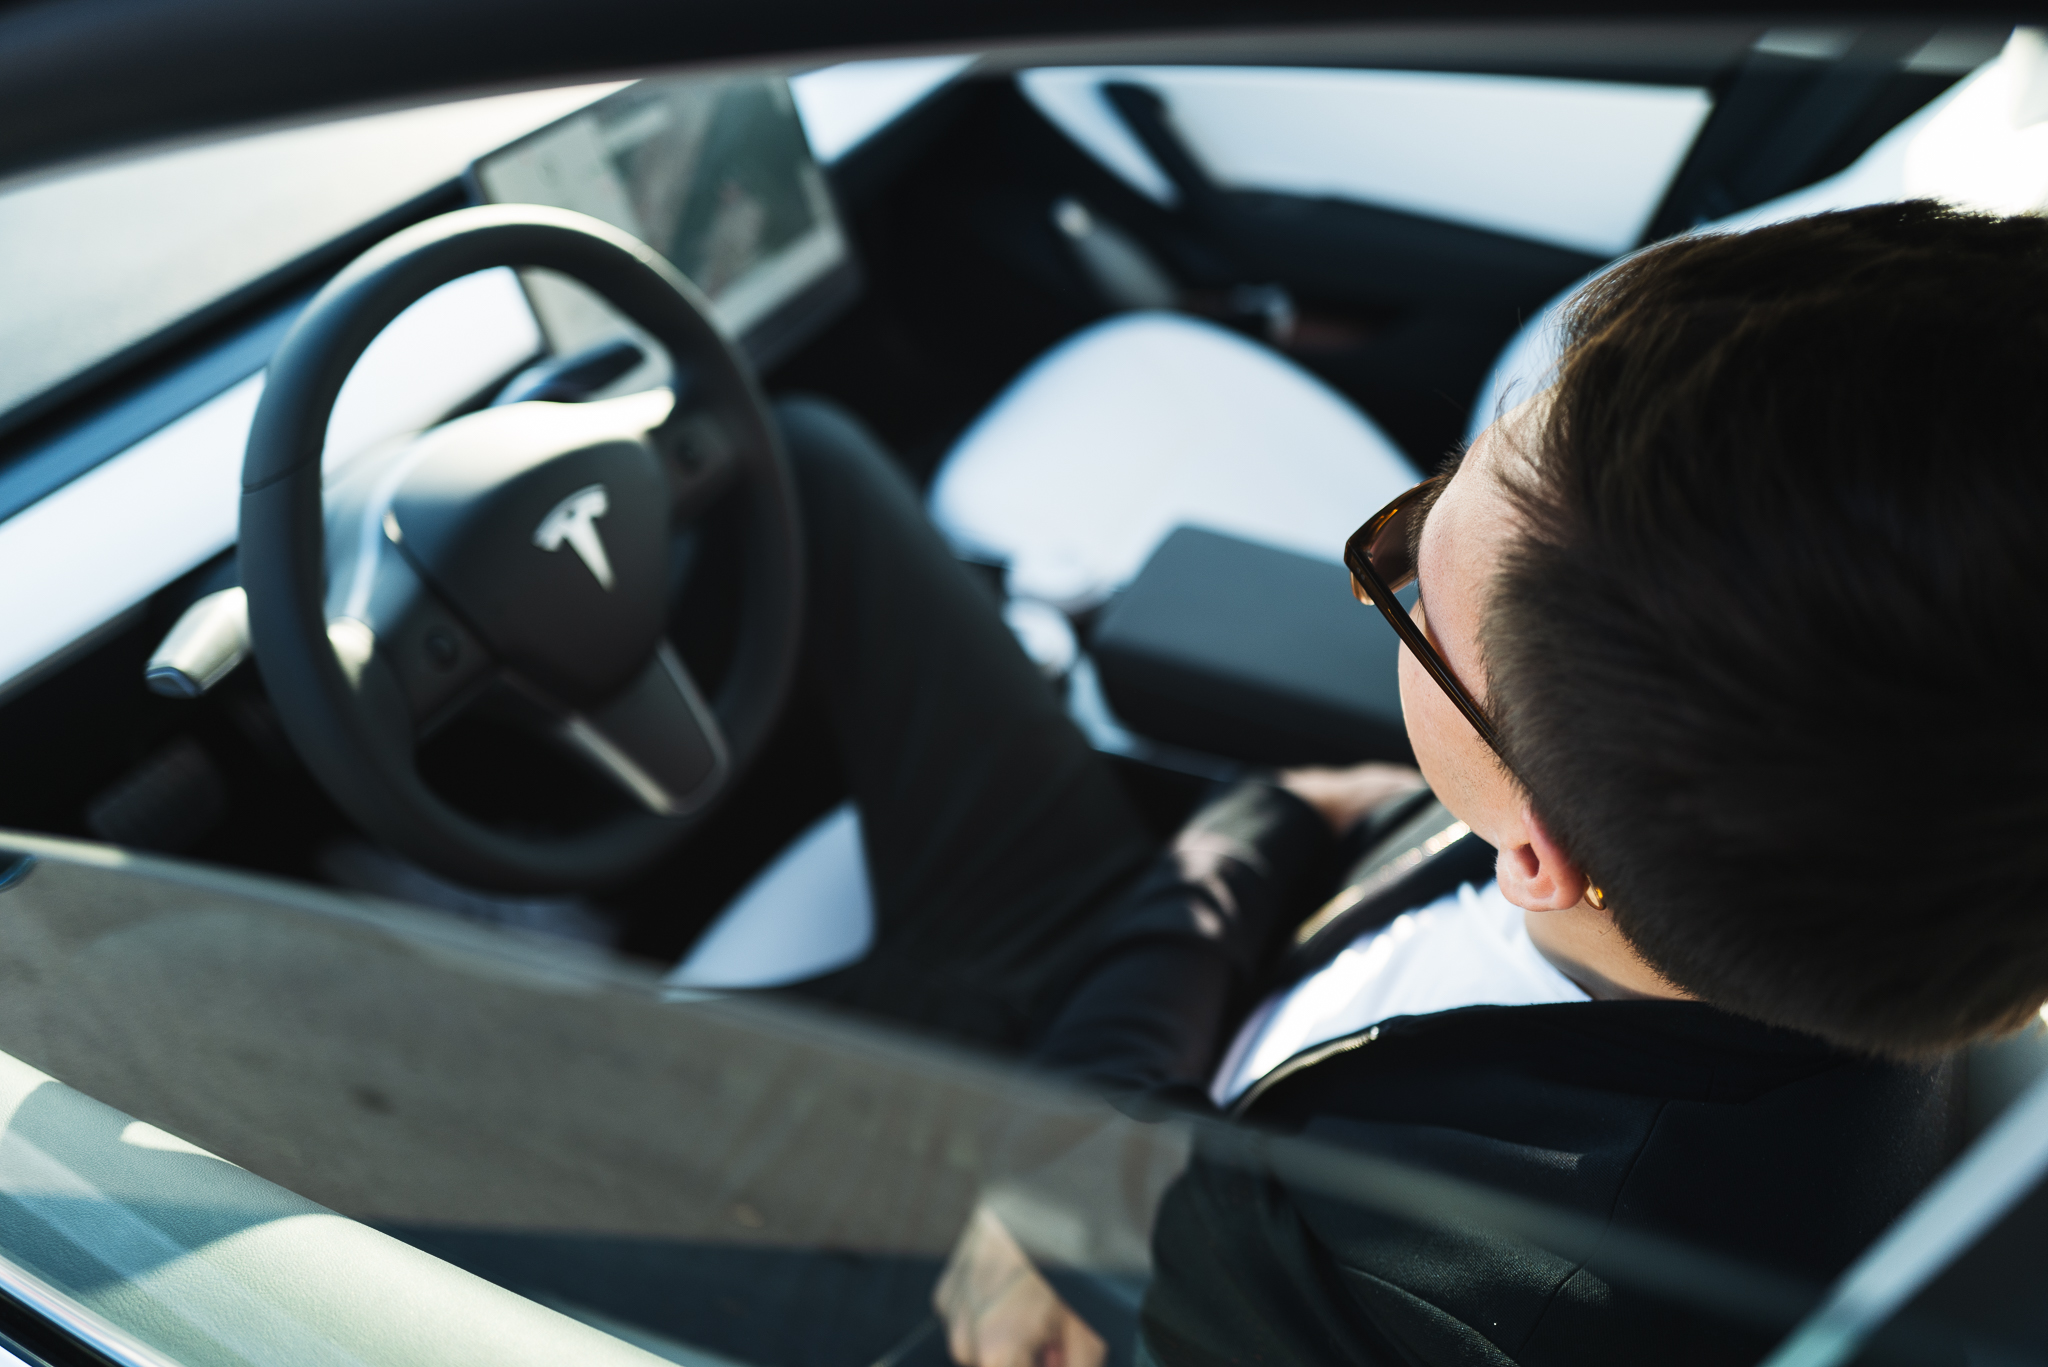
(93, 262)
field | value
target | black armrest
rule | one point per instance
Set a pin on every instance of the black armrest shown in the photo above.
(1238, 649)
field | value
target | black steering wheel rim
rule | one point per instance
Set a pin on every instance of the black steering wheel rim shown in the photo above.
(332, 719)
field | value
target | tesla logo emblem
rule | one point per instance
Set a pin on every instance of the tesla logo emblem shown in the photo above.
(574, 520)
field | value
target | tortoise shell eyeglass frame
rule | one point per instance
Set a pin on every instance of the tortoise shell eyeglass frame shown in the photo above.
(1381, 558)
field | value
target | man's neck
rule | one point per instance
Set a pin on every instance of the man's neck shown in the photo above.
(1584, 945)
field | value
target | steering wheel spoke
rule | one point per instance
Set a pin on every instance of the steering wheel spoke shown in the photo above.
(657, 739)
(391, 620)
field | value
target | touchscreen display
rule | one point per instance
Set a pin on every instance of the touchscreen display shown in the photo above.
(713, 172)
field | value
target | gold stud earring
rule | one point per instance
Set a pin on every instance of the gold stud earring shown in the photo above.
(1595, 898)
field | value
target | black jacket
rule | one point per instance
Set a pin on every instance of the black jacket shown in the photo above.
(1665, 1118)
(1772, 1154)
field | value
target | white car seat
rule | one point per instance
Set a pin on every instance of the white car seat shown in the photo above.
(808, 913)
(1146, 422)
(1083, 465)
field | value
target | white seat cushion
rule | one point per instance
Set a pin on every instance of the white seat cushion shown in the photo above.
(1150, 421)
(805, 915)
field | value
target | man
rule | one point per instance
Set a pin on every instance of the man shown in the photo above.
(1722, 647)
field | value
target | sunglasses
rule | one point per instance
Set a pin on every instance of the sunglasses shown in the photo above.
(1381, 558)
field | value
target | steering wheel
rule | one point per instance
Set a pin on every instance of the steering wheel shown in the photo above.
(519, 552)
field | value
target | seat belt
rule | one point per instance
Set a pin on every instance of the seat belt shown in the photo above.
(1420, 853)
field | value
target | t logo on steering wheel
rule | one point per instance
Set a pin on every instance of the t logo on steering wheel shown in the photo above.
(574, 520)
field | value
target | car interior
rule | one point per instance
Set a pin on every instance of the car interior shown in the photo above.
(1149, 336)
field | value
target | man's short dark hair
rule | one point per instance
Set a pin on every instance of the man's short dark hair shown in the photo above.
(1772, 654)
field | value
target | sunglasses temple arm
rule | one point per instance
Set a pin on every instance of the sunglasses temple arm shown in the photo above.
(1429, 661)
(1382, 597)
(1425, 655)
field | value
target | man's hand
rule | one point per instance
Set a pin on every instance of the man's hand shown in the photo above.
(1346, 797)
(1000, 1313)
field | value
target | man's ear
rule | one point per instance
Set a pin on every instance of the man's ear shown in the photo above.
(1534, 872)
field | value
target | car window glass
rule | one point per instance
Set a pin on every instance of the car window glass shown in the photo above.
(844, 105)
(1581, 164)
(713, 1179)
